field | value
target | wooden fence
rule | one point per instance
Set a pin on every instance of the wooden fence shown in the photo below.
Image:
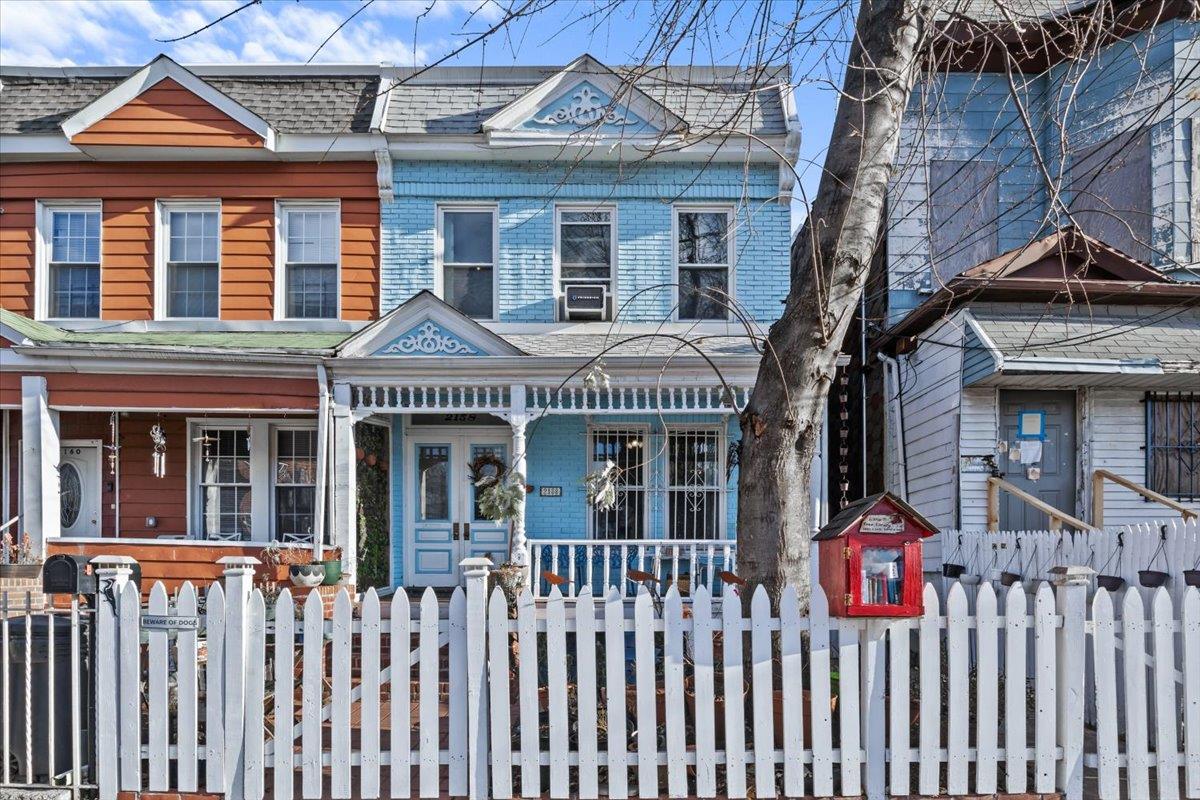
(600, 697)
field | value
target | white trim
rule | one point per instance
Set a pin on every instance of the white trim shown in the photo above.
(613, 254)
(791, 144)
(43, 211)
(96, 445)
(439, 281)
(162, 251)
(384, 175)
(282, 208)
(730, 259)
(162, 68)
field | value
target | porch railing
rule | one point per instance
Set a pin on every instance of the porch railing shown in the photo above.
(601, 564)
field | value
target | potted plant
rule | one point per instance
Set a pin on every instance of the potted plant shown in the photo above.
(17, 559)
(1154, 578)
(1191, 577)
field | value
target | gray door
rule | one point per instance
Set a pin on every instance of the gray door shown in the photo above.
(1056, 484)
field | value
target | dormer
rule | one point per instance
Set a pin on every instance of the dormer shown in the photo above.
(164, 105)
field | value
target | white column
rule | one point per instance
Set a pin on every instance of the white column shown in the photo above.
(343, 482)
(40, 452)
(239, 582)
(518, 419)
(475, 570)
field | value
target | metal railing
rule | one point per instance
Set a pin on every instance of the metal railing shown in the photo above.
(603, 564)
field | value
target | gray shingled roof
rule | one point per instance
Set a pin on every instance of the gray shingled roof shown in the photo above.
(457, 101)
(588, 345)
(327, 104)
(1169, 334)
(1012, 10)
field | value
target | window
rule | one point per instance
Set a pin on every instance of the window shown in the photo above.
(311, 243)
(191, 238)
(628, 449)
(225, 491)
(1173, 445)
(71, 237)
(703, 257)
(468, 259)
(1109, 186)
(695, 483)
(585, 246)
(963, 208)
(295, 484)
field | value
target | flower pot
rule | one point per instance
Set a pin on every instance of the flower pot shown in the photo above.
(1191, 577)
(1111, 583)
(1152, 578)
(307, 575)
(969, 580)
(950, 570)
(1009, 578)
(333, 571)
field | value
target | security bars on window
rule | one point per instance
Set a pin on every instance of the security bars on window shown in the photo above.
(695, 478)
(1173, 444)
(628, 448)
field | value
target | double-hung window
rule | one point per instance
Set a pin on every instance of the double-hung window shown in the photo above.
(295, 476)
(311, 242)
(192, 273)
(467, 256)
(71, 237)
(629, 450)
(1173, 444)
(225, 487)
(695, 483)
(586, 246)
(704, 256)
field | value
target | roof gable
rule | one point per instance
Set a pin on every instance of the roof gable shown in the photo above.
(425, 326)
(584, 98)
(164, 104)
(1067, 254)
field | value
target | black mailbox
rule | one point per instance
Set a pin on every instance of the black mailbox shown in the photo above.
(65, 573)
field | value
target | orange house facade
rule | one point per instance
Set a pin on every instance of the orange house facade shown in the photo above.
(178, 252)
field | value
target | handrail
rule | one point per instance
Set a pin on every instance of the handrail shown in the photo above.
(1057, 518)
(9, 524)
(1101, 475)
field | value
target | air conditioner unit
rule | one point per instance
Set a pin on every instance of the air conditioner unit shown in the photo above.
(585, 301)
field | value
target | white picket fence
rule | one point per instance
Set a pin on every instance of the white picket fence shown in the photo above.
(598, 697)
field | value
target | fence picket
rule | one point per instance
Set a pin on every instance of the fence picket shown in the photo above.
(900, 712)
(186, 694)
(733, 688)
(586, 699)
(458, 773)
(959, 699)
(157, 714)
(368, 771)
(1045, 681)
(1015, 723)
(284, 712)
(764, 696)
(702, 656)
(429, 732)
(987, 678)
(819, 679)
(1133, 625)
(1190, 638)
(500, 695)
(256, 663)
(791, 671)
(311, 693)
(214, 687)
(556, 692)
(1166, 713)
(234, 691)
(849, 717)
(647, 695)
(673, 697)
(130, 686)
(529, 713)
(929, 765)
(400, 696)
(614, 678)
(339, 715)
(1104, 657)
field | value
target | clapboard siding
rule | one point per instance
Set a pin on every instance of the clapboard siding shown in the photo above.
(16, 255)
(978, 435)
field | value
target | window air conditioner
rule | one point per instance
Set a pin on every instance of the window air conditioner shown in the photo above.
(585, 301)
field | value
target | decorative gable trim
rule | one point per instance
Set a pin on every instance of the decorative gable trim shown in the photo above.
(580, 83)
(160, 69)
(425, 326)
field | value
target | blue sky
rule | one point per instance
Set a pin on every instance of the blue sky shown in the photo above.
(404, 32)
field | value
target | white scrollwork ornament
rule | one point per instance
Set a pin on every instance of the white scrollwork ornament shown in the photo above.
(586, 108)
(429, 340)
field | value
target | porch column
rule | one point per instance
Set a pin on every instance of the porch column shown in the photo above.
(40, 451)
(518, 418)
(343, 482)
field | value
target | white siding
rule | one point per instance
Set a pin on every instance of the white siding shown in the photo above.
(978, 436)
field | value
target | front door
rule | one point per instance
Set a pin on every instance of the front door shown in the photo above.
(1050, 479)
(445, 524)
(79, 487)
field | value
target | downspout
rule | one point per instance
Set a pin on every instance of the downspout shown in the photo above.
(322, 470)
(892, 378)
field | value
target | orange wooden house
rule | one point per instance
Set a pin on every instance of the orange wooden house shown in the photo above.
(178, 251)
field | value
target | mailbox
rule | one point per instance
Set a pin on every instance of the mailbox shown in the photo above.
(870, 558)
(68, 573)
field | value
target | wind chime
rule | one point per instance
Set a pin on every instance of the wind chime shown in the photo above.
(114, 446)
(159, 440)
(844, 434)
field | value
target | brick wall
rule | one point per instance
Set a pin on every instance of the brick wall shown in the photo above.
(643, 196)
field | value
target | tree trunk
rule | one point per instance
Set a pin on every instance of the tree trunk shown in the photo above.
(781, 426)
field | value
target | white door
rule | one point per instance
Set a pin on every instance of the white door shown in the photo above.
(445, 525)
(79, 487)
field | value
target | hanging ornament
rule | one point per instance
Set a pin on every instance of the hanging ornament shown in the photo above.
(159, 440)
(113, 447)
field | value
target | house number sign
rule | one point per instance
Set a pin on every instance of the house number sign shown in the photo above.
(882, 523)
(162, 622)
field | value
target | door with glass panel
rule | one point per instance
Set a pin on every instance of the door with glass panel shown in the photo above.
(446, 525)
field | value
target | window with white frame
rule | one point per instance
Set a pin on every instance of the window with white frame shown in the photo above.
(295, 476)
(628, 449)
(467, 256)
(695, 483)
(71, 237)
(225, 487)
(192, 240)
(703, 257)
(586, 246)
(311, 243)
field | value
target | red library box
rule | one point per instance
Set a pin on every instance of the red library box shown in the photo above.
(870, 558)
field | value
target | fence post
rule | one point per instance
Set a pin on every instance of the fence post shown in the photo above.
(112, 573)
(1071, 584)
(239, 579)
(476, 571)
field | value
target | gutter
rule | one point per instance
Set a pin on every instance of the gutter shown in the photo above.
(322, 456)
(891, 373)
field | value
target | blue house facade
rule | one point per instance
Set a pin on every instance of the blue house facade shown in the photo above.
(578, 266)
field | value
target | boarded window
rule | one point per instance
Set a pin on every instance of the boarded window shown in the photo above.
(963, 204)
(1109, 189)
